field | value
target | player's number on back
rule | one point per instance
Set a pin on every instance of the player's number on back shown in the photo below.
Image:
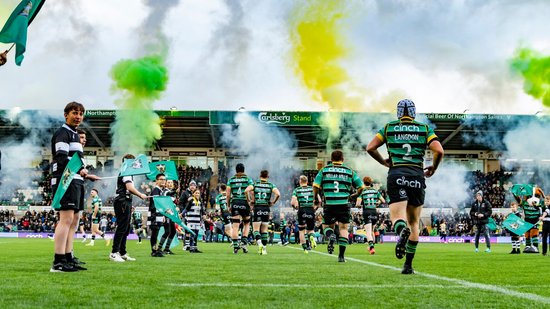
(336, 186)
(409, 149)
(240, 191)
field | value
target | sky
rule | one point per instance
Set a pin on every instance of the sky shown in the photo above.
(447, 56)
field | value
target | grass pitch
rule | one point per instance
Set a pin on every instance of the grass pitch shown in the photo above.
(448, 275)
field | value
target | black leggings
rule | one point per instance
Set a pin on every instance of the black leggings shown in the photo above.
(194, 238)
(169, 233)
(123, 210)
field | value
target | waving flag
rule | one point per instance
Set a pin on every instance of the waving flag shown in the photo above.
(516, 225)
(137, 166)
(70, 171)
(15, 29)
(523, 189)
(167, 168)
(165, 206)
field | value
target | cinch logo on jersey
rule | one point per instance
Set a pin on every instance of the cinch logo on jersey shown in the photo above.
(370, 198)
(406, 128)
(409, 183)
(336, 182)
(406, 141)
(304, 196)
(238, 185)
(274, 118)
(262, 192)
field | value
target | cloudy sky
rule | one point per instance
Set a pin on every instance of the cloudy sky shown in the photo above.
(448, 56)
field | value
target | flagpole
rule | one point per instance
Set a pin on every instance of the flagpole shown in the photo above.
(12, 45)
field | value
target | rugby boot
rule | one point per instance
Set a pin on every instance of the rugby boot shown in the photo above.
(407, 270)
(400, 249)
(313, 242)
(331, 241)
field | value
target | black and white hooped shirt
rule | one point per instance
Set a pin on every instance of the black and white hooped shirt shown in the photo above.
(65, 143)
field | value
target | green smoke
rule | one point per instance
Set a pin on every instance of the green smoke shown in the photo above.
(535, 69)
(141, 82)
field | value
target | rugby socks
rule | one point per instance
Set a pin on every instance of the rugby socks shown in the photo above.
(235, 243)
(398, 226)
(411, 250)
(527, 240)
(328, 232)
(342, 244)
(264, 239)
(257, 236)
(371, 244)
(69, 257)
(93, 237)
(304, 246)
(59, 258)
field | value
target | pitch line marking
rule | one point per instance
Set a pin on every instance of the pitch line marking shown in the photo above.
(464, 283)
(308, 286)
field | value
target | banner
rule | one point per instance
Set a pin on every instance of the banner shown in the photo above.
(165, 206)
(70, 171)
(492, 225)
(516, 225)
(523, 189)
(167, 168)
(137, 166)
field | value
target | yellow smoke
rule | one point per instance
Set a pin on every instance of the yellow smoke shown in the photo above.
(318, 49)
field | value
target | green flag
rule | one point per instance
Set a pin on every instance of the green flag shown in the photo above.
(15, 29)
(492, 225)
(522, 189)
(165, 206)
(137, 166)
(167, 168)
(70, 171)
(516, 225)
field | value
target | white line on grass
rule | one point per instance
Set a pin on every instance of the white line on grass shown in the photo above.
(308, 286)
(464, 283)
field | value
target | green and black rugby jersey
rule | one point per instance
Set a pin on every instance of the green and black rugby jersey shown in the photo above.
(336, 180)
(406, 141)
(222, 201)
(304, 195)
(238, 185)
(370, 198)
(96, 201)
(531, 212)
(137, 216)
(263, 190)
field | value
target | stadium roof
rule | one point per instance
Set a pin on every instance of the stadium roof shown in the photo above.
(203, 129)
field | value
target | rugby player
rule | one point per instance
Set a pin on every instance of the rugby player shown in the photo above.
(370, 198)
(406, 141)
(221, 205)
(238, 188)
(263, 190)
(96, 217)
(336, 181)
(302, 200)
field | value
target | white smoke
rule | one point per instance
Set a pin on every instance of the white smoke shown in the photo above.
(263, 147)
(448, 186)
(21, 156)
(528, 153)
